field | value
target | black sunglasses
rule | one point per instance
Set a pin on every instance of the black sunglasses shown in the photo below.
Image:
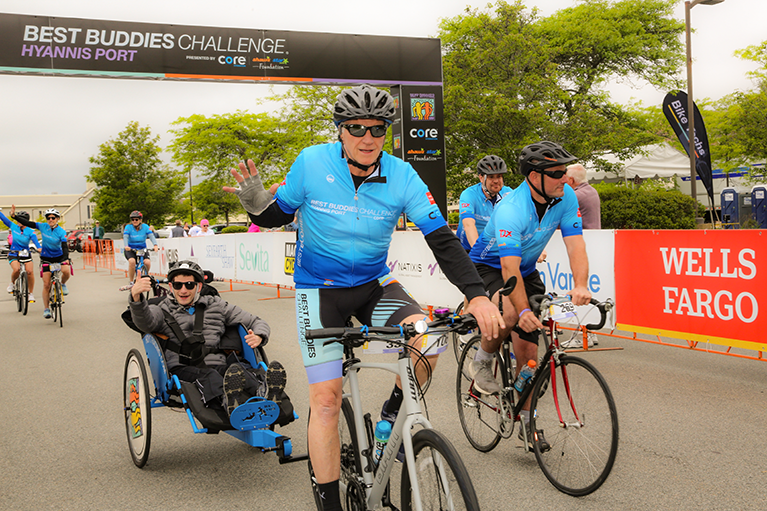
(51, 217)
(557, 174)
(358, 130)
(134, 219)
(178, 285)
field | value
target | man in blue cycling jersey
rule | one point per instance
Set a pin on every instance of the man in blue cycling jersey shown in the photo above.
(55, 250)
(134, 238)
(517, 233)
(477, 201)
(347, 197)
(18, 252)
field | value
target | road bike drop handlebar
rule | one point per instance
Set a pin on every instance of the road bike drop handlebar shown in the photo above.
(539, 303)
(357, 336)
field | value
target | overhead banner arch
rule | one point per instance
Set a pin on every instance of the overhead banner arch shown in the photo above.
(55, 46)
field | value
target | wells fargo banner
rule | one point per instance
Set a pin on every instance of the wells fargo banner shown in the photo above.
(706, 286)
(84, 47)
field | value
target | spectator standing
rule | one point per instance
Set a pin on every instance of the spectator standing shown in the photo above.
(253, 228)
(194, 230)
(205, 229)
(98, 235)
(588, 197)
(178, 231)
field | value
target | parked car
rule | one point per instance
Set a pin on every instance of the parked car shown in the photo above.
(75, 239)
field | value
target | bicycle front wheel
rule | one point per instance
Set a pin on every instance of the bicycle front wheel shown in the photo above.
(576, 411)
(441, 477)
(24, 293)
(59, 300)
(480, 414)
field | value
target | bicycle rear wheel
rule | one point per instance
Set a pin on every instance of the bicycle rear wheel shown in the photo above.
(585, 442)
(443, 481)
(53, 302)
(458, 340)
(24, 293)
(480, 414)
(352, 491)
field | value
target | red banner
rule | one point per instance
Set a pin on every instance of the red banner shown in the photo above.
(697, 285)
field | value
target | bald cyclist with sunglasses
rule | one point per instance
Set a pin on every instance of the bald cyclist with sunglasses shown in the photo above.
(518, 231)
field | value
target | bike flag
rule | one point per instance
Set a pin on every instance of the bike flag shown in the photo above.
(675, 110)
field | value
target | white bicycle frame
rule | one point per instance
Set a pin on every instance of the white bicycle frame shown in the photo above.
(409, 415)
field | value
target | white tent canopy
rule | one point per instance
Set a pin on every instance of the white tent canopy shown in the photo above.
(660, 160)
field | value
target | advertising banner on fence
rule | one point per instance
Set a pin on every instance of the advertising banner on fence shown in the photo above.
(697, 285)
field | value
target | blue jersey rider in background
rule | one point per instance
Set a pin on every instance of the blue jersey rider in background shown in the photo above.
(514, 238)
(347, 197)
(134, 238)
(477, 202)
(55, 250)
(18, 252)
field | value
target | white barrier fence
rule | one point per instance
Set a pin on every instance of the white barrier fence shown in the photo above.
(268, 258)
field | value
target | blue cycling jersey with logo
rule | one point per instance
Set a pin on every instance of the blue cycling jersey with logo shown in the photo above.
(514, 229)
(21, 235)
(343, 236)
(475, 204)
(136, 238)
(52, 240)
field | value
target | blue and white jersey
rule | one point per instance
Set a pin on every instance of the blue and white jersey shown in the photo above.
(344, 235)
(136, 238)
(21, 235)
(514, 228)
(475, 204)
(52, 240)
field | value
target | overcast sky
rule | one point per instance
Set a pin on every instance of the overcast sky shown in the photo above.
(49, 126)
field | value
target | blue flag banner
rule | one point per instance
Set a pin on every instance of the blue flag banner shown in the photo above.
(675, 110)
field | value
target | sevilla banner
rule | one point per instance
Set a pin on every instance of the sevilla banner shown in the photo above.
(697, 285)
(675, 110)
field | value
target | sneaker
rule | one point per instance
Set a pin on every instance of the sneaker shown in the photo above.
(537, 435)
(391, 417)
(64, 289)
(576, 342)
(484, 381)
(234, 386)
(593, 339)
(276, 379)
(10, 288)
(47, 314)
(31, 298)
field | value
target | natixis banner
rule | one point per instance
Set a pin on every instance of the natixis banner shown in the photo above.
(675, 110)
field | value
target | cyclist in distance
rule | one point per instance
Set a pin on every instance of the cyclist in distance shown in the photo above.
(517, 233)
(18, 252)
(134, 237)
(55, 250)
(347, 197)
(477, 201)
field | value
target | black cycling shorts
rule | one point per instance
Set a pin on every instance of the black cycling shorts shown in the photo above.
(493, 279)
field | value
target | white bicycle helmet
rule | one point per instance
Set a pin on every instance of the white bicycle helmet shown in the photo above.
(52, 211)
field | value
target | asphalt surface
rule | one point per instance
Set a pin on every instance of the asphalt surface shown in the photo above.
(693, 426)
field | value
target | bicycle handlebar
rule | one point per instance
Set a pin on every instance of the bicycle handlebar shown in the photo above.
(540, 302)
(356, 336)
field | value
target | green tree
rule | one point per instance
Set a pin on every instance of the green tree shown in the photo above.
(211, 202)
(512, 78)
(129, 175)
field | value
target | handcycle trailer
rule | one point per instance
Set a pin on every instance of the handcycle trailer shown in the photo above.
(252, 422)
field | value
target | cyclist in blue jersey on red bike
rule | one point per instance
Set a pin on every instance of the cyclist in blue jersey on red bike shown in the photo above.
(18, 252)
(134, 238)
(55, 250)
(347, 197)
(514, 238)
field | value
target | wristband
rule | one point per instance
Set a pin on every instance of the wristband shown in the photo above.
(523, 311)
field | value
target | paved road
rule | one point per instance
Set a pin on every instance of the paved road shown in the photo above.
(693, 425)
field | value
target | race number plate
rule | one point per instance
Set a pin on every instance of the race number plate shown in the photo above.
(560, 311)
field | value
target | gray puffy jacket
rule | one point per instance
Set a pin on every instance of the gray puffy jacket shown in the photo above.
(219, 314)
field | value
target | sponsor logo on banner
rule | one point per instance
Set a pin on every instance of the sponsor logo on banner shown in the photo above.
(397, 141)
(407, 268)
(697, 285)
(255, 260)
(422, 107)
(219, 252)
(290, 257)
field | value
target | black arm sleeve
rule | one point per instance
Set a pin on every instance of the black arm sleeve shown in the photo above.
(272, 216)
(26, 223)
(65, 249)
(455, 262)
